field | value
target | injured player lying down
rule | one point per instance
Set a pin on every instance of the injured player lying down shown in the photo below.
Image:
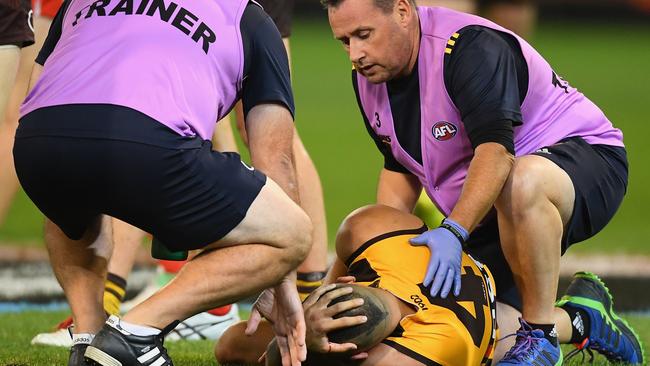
(386, 317)
(404, 324)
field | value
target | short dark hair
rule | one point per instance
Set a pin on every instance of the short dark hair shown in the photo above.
(385, 5)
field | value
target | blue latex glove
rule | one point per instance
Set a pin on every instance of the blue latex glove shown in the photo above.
(446, 253)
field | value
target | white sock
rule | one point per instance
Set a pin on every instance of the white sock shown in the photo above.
(82, 338)
(139, 330)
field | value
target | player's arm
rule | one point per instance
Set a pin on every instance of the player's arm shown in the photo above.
(267, 99)
(481, 76)
(397, 187)
(489, 102)
(398, 190)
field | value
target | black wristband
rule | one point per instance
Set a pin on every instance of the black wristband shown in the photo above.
(453, 230)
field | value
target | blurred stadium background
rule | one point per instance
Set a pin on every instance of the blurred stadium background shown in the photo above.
(602, 47)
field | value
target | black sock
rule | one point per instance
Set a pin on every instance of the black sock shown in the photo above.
(549, 331)
(579, 323)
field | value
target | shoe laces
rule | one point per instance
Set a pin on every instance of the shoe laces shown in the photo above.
(525, 344)
(596, 345)
(580, 349)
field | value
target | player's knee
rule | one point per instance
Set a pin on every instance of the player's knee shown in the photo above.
(369, 222)
(231, 346)
(522, 188)
(301, 240)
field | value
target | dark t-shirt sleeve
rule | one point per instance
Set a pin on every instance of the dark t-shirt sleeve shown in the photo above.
(390, 163)
(53, 35)
(267, 77)
(487, 78)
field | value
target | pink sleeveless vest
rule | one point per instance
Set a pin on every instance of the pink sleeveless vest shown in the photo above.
(177, 61)
(550, 113)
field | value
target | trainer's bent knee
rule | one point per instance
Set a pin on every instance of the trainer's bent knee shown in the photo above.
(523, 185)
(302, 239)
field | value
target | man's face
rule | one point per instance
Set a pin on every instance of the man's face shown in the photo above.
(378, 43)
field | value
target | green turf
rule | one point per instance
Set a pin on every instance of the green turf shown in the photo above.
(18, 329)
(606, 61)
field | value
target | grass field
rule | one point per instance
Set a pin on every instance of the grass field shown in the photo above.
(607, 62)
(18, 329)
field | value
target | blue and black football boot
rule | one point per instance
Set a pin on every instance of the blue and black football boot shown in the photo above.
(608, 334)
(532, 348)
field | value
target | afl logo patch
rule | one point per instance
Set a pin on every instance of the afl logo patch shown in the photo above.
(443, 131)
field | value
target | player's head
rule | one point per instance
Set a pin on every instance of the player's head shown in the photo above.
(383, 316)
(380, 36)
(378, 307)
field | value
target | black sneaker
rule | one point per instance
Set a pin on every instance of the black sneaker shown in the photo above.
(114, 346)
(77, 355)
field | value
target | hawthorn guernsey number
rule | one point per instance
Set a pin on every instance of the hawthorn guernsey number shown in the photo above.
(182, 19)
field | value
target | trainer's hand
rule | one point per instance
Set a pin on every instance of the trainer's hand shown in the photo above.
(320, 318)
(282, 308)
(446, 254)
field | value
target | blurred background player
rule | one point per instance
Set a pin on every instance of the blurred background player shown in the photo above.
(520, 16)
(372, 245)
(16, 59)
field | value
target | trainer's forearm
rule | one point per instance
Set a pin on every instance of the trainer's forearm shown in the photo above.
(486, 176)
(270, 134)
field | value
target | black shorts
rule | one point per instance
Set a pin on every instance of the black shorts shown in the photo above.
(281, 11)
(79, 161)
(16, 23)
(599, 175)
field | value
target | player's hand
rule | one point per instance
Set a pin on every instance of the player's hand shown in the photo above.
(320, 318)
(443, 271)
(282, 308)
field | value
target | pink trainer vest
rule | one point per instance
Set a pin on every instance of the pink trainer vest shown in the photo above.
(177, 61)
(550, 112)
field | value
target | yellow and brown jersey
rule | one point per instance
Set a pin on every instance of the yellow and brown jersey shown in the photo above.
(456, 331)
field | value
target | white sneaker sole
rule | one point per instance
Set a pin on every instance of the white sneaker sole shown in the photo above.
(59, 338)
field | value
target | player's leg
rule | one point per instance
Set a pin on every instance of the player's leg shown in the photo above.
(520, 16)
(533, 208)
(235, 347)
(274, 245)
(467, 6)
(9, 61)
(312, 270)
(550, 195)
(80, 267)
(18, 63)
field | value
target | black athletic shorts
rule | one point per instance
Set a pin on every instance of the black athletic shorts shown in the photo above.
(79, 161)
(281, 11)
(599, 175)
(16, 23)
